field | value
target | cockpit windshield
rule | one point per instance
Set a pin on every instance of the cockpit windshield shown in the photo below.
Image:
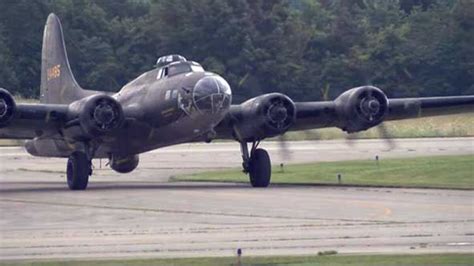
(168, 59)
(178, 69)
(196, 67)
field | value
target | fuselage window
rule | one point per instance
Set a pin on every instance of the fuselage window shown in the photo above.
(174, 94)
(167, 95)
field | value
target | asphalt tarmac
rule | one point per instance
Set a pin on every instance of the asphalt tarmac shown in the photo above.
(143, 214)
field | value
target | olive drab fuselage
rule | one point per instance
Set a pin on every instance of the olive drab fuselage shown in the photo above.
(170, 107)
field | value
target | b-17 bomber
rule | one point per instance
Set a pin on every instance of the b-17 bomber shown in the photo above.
(177, 102)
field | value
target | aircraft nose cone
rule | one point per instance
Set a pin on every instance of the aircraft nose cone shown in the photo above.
(212, 94)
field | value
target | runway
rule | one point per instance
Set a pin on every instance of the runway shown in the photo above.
(143, 214)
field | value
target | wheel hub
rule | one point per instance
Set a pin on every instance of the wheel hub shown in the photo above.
(3, 108)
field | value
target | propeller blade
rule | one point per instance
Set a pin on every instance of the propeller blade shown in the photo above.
(384, 134)
(283, 147)
(351, 139)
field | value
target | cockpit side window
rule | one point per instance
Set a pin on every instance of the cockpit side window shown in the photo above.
(163, 72)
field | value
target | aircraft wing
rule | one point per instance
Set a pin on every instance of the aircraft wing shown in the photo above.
(92, 117)
(355, 110)
(430, 106)
(312, 115)
(35, 120)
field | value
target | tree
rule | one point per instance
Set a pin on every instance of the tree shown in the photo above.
(308, 49)
(7, 73)
(23, 38)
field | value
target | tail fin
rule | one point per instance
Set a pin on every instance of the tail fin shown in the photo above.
(58, 84)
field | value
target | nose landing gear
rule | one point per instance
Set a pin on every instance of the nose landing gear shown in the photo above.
(257, 164)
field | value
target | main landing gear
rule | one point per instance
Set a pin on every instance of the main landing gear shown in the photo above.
(257, 164)
(79, 168)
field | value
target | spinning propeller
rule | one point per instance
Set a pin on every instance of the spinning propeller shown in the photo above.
(359, 109)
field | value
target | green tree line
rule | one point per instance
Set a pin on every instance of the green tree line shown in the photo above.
(308, 49)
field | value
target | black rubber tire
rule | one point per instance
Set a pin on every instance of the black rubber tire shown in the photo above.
(78, 171)
(260, 168)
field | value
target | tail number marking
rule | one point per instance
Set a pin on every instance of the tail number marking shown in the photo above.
(54, 72)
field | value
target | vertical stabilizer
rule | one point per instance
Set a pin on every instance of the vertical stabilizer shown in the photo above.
(58, 84)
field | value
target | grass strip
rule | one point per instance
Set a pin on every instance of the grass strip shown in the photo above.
(455, 172)
(333, 260)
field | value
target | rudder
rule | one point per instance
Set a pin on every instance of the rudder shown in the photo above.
(58, 84)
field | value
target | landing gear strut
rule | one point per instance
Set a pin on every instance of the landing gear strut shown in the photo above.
(257, 164)
(79, 168)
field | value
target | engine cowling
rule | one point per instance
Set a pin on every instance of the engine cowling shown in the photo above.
(97, 114)
(265, 116)
(7, 108)
(124, 164)
(361, 108)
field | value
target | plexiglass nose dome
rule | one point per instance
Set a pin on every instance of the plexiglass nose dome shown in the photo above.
(212, 94)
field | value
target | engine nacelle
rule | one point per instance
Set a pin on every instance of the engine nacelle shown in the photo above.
(361, 108)
(97, 114)
(7, 108)
(124, 164)
(264, 116)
